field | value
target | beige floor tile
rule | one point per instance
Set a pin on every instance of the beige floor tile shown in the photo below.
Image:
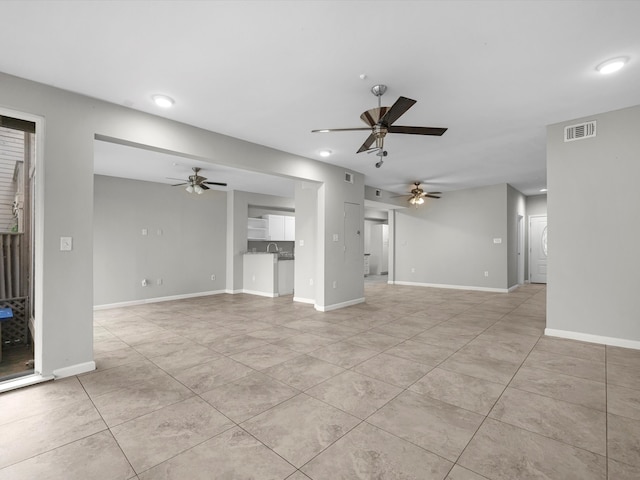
(572, 348)
(46, 431)
(623, 356)
(117, 358)
(27, 402)
(373, 340)
(234, 343)
(356, 394)
(298, 475)
(569, 423)
(164, 346)
(158, 436)
(249, 396)
(265, 356)
(436, 426)
(343, 354)
(623, 375)
(460, 473)
(232, 454)
(109, 345)
(623, 435)
(370, 453)
(394, 370)
(101, 382)
(181, 360)
(421, 352)
(481, 367)
(274, 334)
(622, 471)
(96, 457)
(447, 336)
(300, 428)
(210, 375)
(145, 396)
(623, 401)
(460, 390)
(500, 451)
(303, 372)
(578, 367)
(580, 391)
(304, 342)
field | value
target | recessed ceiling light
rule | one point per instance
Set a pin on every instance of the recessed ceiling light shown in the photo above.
(163, 101)
(543, 189)
(612, 65)
(325, 153)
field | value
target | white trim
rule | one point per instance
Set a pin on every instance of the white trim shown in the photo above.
(156, 300)
(455, 287)
(336, 306)
(587, 337)
(37, 209)
(304, 300)
(76, 369)
(514, 288)
(261, 294)
(25, 381)
(234, 292)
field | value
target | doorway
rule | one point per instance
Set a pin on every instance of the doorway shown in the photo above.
(17, 179)
(538, 249)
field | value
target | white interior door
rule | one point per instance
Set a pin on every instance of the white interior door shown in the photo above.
(538, 249)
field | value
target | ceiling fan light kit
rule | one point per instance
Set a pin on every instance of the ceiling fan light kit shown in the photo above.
(197, 184)
(380, 122)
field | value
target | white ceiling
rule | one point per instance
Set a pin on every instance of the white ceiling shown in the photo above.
(494, 72)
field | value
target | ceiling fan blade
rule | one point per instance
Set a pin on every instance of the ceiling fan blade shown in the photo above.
(430, 196)
(203, 186)
(417, 130)
(215, 183)
(325, 130)
(397, 110)
(367, 143)
(174, 178)
(178, 184)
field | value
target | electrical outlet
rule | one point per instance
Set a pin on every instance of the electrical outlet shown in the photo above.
(311, 282)
(486, 274)
(335, 284)
(301, 243)
(336, 237)
(159, 281)
(145, 231)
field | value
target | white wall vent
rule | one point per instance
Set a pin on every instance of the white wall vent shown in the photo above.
(348, 177)
(580, 131)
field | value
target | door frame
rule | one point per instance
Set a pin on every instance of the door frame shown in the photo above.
(37, 210)
(520, 248)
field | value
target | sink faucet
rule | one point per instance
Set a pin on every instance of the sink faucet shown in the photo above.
(269, 245)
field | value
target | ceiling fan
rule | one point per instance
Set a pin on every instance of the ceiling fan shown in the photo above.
(196, 183)
(380, 122)
(417, 195)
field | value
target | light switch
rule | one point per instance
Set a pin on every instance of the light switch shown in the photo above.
(497, 240)
(145, 231)
(66, 244)
(335, 237)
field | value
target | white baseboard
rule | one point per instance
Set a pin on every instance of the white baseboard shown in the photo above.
(25, 381)
(587, 337)
(157, 299)
(336, 306)
(233, 292)
(455, 287)
(304, 300)
(74, 369)
(514, 288)
(261, 294)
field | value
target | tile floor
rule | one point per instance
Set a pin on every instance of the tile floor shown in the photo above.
(416, 383)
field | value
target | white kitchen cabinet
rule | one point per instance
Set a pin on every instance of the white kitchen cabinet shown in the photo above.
(290, 229)
(281, 227)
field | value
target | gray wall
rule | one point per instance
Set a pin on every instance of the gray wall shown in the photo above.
(593, 212)
(185, 242)
(72, 123)
(450, 241)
